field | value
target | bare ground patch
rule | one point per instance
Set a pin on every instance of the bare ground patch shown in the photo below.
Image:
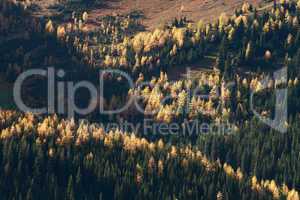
(159, 12)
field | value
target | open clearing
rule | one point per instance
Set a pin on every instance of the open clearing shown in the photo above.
(158, 12)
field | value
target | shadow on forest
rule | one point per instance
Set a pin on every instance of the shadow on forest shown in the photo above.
(27, 49)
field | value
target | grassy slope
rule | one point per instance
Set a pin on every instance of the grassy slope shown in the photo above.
(158, 12)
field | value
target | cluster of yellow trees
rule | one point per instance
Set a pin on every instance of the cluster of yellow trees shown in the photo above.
(100, 45)
(256, 83)
(278, 18)
(143, 49)
(161, 90)
(23, 124)
(276, 190)
(166, 100)
(7, 117)
(67, 132)
(147, 49)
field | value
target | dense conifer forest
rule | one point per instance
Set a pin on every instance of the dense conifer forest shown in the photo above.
(53, 156)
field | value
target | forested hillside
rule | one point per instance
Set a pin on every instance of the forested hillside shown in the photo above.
(51, 156)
